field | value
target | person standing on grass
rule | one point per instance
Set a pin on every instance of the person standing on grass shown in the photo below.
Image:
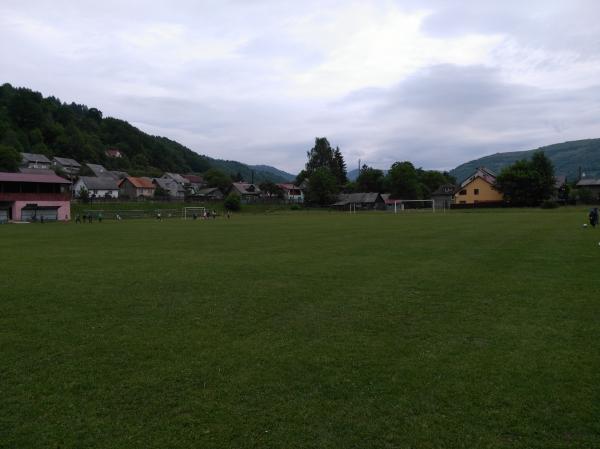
(99, 217)
(77, 219)
(593, 216)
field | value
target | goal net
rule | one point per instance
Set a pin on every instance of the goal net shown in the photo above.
(413, 206)
(191, 212)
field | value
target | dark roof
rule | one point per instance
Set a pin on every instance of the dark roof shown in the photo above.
(588, 182)
(245, 188)
(444, 189)
(361, 197)
(208, 191)
(33, 157)
(194, 179)
(99, 183)
(66, 161)
(176, 177)
(46, 178)
(98, 169)
(482, 172)
(118, 175)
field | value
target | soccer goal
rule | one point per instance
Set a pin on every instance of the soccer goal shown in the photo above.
(190, 212)
(414, 206)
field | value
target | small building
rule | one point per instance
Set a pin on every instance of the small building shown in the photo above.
(292, 193)
(177, 178)
(593, 185)
(32, 160)
(248, 192)
(99, 170)
(443, 196)
(479, 188)
(97, 187)
(210, 193)
(136, 187)
(69, 166)
(360, 200)
(172, 188)
(113, 152)
(196, 182)
(25, 197)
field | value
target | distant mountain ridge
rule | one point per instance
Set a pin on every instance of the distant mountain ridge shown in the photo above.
(567, 157)
(256, 173)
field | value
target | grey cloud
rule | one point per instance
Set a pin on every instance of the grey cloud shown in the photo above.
(448, 114)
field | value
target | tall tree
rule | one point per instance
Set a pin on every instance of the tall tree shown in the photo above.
(216, 178)
(322, 187)
(370, 180)
(323, 156)
(403, 181)
(9, 158)
(339, 167)
(527, 182)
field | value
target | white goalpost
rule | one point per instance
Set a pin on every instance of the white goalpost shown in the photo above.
(414, 205)
(189, 212)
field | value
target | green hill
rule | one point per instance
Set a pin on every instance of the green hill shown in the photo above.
(567, 157)
(30, 122)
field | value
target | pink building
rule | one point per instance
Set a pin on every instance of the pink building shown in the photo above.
(25, 197)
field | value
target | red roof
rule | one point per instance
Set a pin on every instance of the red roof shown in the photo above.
(140, 183)
(46, 178)
(194, 179)
(113, 152)
(288, 186)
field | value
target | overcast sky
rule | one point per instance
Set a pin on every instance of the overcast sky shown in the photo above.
(436, 82)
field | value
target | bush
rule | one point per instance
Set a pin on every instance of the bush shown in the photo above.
(295, 207)
(549, 204)
(233, 202)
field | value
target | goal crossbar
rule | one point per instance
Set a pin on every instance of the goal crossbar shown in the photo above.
(189, 212)
(399, 205)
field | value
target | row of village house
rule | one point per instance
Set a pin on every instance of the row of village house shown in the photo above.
(110, 184)
(37, 191)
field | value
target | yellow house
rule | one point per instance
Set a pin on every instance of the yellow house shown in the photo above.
(478, 188)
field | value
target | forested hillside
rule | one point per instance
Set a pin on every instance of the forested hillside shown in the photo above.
(32, 123)
(567, 157)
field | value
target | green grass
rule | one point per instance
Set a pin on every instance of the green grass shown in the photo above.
(302, 330)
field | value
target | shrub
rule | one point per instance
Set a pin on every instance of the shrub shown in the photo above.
(295, 207)
(233, 202)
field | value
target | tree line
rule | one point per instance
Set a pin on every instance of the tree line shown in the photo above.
(325, 176)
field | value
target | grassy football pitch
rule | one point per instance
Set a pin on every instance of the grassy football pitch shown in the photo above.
(303, 330)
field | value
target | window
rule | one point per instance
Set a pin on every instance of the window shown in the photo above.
(462, 192)
(475, 191)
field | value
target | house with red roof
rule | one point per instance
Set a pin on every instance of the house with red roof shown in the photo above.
(29, 196)
(136, 187)
(113, 152)
(292, 193)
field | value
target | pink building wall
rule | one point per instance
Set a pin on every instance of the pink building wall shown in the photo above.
(64, 208)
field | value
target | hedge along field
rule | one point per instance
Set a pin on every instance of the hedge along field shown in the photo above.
(302, 330)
